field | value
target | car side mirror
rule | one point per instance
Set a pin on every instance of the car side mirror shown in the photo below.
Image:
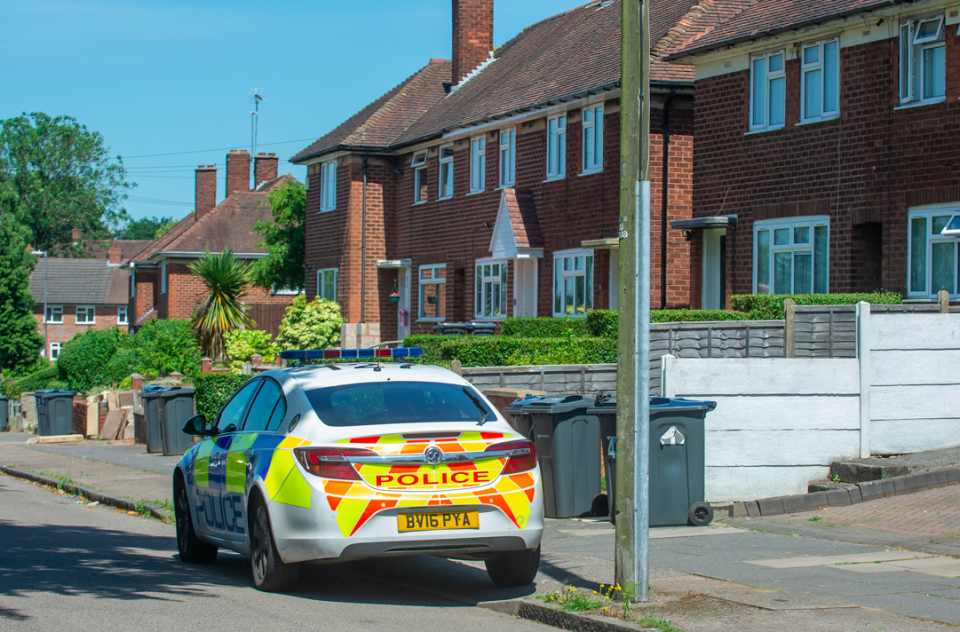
(197, 425)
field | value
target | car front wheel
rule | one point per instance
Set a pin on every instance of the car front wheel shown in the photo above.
(192, 550)
(270, 573)
(514, 568)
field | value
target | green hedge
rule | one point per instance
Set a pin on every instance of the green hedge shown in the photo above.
(543, 327)
(213, 391)
(84, 361)
(770, 306)
(603, 323)
(474, 351)
(44, 378)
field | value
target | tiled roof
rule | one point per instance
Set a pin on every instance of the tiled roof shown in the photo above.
(728, 22)
(130, 248)
(228, 225)
(80, 282)
(523, 217)
(568, 54)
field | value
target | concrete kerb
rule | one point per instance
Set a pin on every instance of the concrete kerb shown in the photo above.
(92, 494)
(534, 610)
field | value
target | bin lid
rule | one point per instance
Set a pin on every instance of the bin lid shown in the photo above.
(4, 398)
(549, 404)
(152, 391)
(177, 391)
(657, 404)
(53, 392)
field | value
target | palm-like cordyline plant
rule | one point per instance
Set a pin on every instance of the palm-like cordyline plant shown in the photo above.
(226, 279)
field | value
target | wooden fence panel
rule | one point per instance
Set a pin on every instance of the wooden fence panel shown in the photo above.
(267, 316)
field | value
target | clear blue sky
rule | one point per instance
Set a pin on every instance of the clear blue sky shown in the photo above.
(175, 76)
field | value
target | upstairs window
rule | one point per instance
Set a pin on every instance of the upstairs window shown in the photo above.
(419, 166)
(593, 139)
(163, 276)
(478, 164)
(932, 256)
(446, 172)
(557, 146)
(54, 315)
(328, 186)
(820, 82)
(491, 289)
(572, 283)
(327, 283)
(508, 153)
(768, 83)
(923, 60)
(122, 316)
(133, 282)
(86, 316)
(433, 291)
(791, 256)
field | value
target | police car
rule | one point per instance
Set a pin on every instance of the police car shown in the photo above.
(355, 460)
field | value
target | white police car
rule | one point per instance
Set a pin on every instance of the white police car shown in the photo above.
(356, 460)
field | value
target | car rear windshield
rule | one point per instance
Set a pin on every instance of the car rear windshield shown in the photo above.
(396, 403)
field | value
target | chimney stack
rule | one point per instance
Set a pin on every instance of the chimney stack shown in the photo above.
(206, 191)
(472, 36)
(265, 168)
(115, 254)
(238, 171)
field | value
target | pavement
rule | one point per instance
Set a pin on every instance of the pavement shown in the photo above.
(734, 575)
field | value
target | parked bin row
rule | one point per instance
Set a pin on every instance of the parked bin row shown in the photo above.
(165, 410)
(571, 432)
(465, 329)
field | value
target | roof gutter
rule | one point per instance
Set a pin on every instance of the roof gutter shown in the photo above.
(759, 35)
(196, 255)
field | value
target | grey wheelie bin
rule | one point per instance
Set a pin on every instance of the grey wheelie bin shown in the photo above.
(451, 329)
(151, 414)
(605, 409)
(566, 439)
(54, 412)
(175, 406)
(676, 459)
(4, 413)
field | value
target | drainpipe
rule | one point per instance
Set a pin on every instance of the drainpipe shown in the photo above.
(665, 183)
(363, 247)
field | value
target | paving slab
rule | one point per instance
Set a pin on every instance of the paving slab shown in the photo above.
(940, 566)
(855, 558)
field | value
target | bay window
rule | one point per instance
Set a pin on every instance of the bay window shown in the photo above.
(572, 283)
(491, 300)
(791, 256)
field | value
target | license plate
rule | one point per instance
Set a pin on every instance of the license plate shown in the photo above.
(438, 520)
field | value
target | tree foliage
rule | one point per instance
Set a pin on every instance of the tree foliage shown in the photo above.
(313, 325)
(244, 343)
(167, 346)
(20, 341)
(146, 228)
(225, 278)
(84, 362)
(60, 177)
(284, 239)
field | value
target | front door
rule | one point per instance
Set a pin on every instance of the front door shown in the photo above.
(403, 306)
(714, 268)
(525, 287)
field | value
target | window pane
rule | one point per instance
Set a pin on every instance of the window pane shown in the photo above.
(588, 148)
(567, 263)
(557, 279)
(578, 263)
(944, 267)
(781, 237)
(479, 289)
(580, 299)
(513, 154)
(277, 417)
(820, 259)
(598, 152)
(486, 270)
(776, 63)
(503, 289)
(938, 224)
(562, 145)
(587, 116)
(811, 55)
(262, 408)
(905, 61)
(801, 235)
(783, 273)
(552, 146)
(487, 300)
(568, 293)
(812, 97)
(831, 61)
(918, 254)
(759, 81)
(777, 97)
(589, 283)
(232, 414)
(763, 262)
(802, 280)
(482, 171)
(934, 74)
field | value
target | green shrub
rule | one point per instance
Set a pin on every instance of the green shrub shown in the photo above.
(474, 351)
(770, 306)
(124, 363)
(543, 327)
(35, 381)
(603, 323)
(167, 346)
(313, 325)
(241, 345)
(83, 361)
(213, 391)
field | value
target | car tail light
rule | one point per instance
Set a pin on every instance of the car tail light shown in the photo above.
(331, 462)
(524, 459)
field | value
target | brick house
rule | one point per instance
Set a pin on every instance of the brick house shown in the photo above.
(826, 155)
(487, 186)
(161, 284)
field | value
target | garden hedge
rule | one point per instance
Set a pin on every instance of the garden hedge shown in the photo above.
(544, 327)
(770, 306)
(84, 360)
(213, 391)
(473, 351)
(44, 378)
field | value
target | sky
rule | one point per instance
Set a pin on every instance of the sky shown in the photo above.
(168, 84)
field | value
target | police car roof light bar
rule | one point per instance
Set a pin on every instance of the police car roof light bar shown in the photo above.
(351, 354)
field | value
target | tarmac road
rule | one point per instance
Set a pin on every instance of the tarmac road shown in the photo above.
(66, 567)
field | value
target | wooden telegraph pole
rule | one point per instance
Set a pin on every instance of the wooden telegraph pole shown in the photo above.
(633, 358)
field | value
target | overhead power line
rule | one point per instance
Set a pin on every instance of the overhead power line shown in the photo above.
(204, 151)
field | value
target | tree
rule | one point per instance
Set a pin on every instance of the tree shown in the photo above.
(61, 178)
(284, 239)
(313, 325)
(146, 228)
(20, 341)
(225, 277)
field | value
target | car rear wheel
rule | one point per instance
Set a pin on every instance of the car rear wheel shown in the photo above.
(270, 573)
(192, 550)
(514, 568)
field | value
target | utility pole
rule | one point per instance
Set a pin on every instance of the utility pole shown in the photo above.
(633, 357)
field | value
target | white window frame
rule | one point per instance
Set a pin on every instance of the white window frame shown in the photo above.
(133, 282)
(813, 67)
(929, 212)
(791, 223)
(86, 310)
(55, 347)
(596, 124)
(483, 288)
(123, 316)
(557, 149)
(446, 172)
(328, 186)
(52, 311)
(163, 276)
(419, 165)
(763, 100)
(321, 275)
(560, 275)
(421, 286)
(508, 157)
(912, 48)
(478, 164)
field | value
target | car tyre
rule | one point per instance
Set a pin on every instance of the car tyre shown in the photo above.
(270, 573)
(192, 550)
(514, 568)
(700, 515)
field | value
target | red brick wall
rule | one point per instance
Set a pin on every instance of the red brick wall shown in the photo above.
(472, 35)
(880, 160)
(106, 317)
(148, 288)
